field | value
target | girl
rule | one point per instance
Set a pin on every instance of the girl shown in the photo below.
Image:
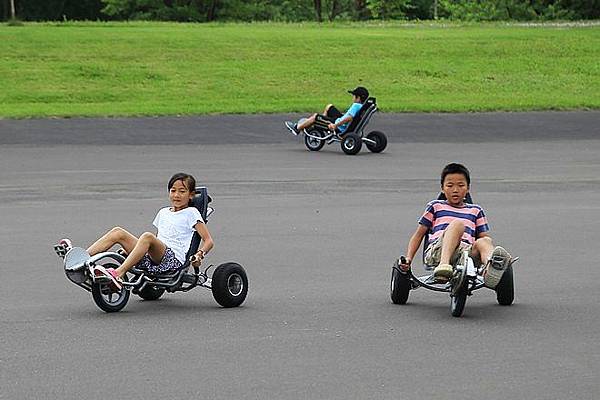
(166, 251)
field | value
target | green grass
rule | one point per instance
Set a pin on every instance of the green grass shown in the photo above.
(92, 69)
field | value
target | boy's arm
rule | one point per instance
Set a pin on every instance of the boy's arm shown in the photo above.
(413, 244)
(332, 126)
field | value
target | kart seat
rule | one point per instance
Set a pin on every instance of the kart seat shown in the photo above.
(364, 115)
(200, 201)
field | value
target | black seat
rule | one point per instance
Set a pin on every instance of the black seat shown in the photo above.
(200, 201)
(364, 114)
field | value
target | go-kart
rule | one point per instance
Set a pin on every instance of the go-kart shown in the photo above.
(319, 134)
(466, 278)
(229, 283)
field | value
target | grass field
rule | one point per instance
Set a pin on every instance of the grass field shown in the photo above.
(120, 69)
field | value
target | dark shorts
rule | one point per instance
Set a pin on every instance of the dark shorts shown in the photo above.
(169, 263)
(332, 115)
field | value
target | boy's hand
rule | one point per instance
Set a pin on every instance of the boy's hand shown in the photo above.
(404, 263)
(331, 127)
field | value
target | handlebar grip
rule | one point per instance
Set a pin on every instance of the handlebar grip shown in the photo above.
(402, 260)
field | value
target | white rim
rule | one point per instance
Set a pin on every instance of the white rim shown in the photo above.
(235, 284)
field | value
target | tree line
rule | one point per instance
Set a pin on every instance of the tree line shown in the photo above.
(298, 10)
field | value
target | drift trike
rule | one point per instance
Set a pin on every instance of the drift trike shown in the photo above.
(229, 283)
(466, 278)
(317, 135)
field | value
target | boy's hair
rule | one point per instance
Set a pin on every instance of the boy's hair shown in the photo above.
(455, 168)
(188, 181)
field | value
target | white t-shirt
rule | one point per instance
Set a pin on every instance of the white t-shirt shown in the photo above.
(176, 228)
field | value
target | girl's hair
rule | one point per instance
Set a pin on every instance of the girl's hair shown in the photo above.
(188, 181)
(455, 168)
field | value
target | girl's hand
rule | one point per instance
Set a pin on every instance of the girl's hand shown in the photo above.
(197, 258)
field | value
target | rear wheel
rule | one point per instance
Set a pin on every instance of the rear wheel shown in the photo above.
(505, 290)
(312, 143)
(229, 284)
(380, 141)
(400, 286)
(107, 299)
(351, 144)
(151, 293)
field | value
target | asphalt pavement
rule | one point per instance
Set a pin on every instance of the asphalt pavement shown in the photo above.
(317, 234)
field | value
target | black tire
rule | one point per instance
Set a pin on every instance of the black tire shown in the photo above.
(150, 293)
(314, 144)
(458, 301)
(505, 290)
(351, 144)
(106, 299)
(380, 141)
(400, 287)
(229, 284)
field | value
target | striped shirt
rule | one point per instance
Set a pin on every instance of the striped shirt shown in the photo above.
(438, 214)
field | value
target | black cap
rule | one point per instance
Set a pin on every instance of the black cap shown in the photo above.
(361, 92)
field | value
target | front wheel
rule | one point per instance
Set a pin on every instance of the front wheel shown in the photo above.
(229, 285)
(351, 144)
(108, 300)
(505, 290)
(400, 286)
(380, 141)
(312, 143)
(459, 299)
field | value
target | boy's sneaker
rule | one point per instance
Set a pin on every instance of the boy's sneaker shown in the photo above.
(62, 247)
(495, 267)
(443, 272)
(292, 127)
(109, 275)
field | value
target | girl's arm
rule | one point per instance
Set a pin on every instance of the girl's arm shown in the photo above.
(207, 241)
(414, 243)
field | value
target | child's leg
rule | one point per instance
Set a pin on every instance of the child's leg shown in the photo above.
(147, 243)
(307, 122)
(450, 242)
(452, 235)
(482, 249)
(112, 237)
(495, 259)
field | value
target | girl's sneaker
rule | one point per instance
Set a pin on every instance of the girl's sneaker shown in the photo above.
(495, 267)
(62, 247)
(109, 275)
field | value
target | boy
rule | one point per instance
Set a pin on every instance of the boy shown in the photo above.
(455, 226)
(332, 118)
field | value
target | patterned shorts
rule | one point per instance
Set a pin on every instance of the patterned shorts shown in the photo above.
(169, 263)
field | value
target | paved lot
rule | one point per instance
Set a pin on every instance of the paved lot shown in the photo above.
(317, 233)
